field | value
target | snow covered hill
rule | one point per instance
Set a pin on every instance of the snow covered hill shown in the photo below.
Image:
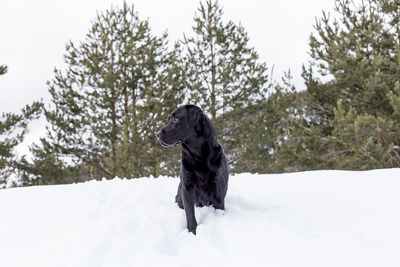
(320, 218)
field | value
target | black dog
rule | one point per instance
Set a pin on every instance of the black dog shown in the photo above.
(204, 171)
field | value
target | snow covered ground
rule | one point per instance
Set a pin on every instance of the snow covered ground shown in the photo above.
(320, 218)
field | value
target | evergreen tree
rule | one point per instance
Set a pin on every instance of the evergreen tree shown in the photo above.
(3, 69)
(351, 97)
(256, 151)
(223, 75)
(47, 167)
(13, 128)
(120, 83)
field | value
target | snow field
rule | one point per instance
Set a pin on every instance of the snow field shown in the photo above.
(319, 218)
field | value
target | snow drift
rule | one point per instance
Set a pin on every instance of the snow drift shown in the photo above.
(320, 218)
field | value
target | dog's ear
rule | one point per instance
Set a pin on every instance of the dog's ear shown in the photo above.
(203, 126)
(194, 117)
(199, 125)
(199, 122)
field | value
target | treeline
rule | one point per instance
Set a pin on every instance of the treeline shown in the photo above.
(122, 81)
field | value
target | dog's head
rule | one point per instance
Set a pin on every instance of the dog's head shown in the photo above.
(185, 122)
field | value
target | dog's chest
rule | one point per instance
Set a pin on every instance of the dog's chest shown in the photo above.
(204, 188)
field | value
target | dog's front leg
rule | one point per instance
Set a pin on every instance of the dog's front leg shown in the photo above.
(188, 203)
(178, 198)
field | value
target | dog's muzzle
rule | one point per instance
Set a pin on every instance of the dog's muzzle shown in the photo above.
(158, 134)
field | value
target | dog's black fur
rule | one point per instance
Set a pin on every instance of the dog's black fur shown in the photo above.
(204, 171)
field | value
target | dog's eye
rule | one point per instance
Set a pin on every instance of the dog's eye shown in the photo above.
(175, 120)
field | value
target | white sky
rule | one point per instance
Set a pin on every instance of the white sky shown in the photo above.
(33, 35)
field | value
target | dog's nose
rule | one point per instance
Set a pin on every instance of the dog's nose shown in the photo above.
(158, 134)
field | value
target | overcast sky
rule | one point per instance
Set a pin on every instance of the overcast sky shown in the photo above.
(33, 35)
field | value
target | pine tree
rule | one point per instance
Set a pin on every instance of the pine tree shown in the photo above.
(351, 97)
(267, 125)
(46, 167)
(3, 69)
(119, 84)
(361, 55)
(13, 128)
(223, 75)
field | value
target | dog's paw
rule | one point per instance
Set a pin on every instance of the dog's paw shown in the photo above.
(192, 228)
